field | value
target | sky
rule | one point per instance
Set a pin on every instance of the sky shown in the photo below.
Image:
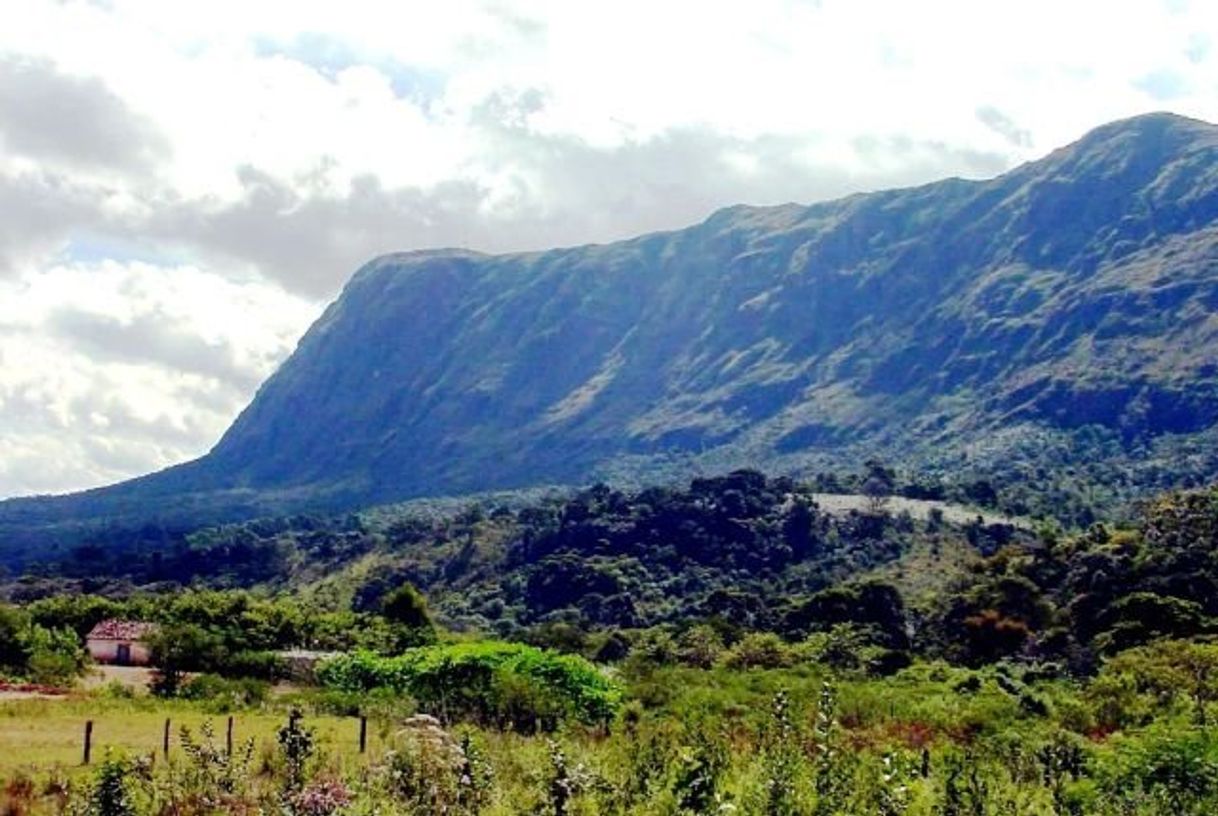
(185, 185)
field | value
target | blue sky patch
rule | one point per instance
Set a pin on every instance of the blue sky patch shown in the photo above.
(328, 56)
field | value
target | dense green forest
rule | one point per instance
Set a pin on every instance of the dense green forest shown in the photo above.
(600, 571)
(757, 551)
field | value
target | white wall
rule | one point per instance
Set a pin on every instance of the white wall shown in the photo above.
(106, 651)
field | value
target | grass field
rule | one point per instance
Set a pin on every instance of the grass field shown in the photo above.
(41, 735)
(918, 743)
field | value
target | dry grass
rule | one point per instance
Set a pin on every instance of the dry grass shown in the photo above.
(135, 678)
(839, 503)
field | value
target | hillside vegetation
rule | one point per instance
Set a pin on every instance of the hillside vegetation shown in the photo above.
(1053, 324)
(604, 571)
(722, 647)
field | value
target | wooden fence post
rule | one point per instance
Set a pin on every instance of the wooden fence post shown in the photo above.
(228, 736)
(165, 740)
(363, 733)
(88, 740)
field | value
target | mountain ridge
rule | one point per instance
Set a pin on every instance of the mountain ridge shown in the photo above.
(1073, 296)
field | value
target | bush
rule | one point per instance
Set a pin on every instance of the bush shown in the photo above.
(424, 769)
(224, 694)
(852, 649)
(1181, 771)
(760, 650)
(491, 682)
(56, 657)
(117, 690)
(260, 665)
(50, 656)
(111, 793)
(700, 647)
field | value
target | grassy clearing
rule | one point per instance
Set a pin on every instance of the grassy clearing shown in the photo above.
(42, 735)
(918, 508)
(931, 740)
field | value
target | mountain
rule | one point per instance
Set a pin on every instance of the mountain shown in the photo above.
(1062, 312)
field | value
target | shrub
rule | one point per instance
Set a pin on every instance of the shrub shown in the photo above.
(1181, 771)
(55, 656)
(567, 782)
(224, 694)
(760, 650)
(506, 684)
(700, 647)
(260, 665)
(852, 649)
(211, 774)
(425, 768)
(297, 744)
(324, 798)
(111, 794)
(117, 690)
(781, 762)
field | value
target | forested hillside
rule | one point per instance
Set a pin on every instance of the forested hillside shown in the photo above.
(740, 553)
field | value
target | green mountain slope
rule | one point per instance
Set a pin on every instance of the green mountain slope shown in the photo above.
(1063, 311)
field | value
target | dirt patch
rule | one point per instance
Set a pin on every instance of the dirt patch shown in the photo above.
(135, 678)
(6, 696)
(838, 503)
(30, 691)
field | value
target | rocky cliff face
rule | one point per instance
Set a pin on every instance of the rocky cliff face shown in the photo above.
(1076, 291)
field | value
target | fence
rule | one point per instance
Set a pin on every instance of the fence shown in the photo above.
(167, 737)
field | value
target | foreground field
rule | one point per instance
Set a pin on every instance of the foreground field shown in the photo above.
(41, 736)
(930, 741)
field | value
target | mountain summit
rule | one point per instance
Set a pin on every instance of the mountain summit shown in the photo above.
(1072, 297)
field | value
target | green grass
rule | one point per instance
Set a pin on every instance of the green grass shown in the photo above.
(891, 745)
(41, 735)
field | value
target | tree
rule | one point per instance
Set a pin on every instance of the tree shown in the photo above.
(1169, 668)
(180, 648)
(989, 636)
(700, 646)
(878, 492)
(406, 610)
(14, 648)
(406, 606)
(981, 492)
(1141, 617)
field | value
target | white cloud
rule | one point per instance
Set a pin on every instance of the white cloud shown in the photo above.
(162, 163)
(109, 370)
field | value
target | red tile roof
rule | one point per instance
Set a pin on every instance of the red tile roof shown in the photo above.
(120, 630)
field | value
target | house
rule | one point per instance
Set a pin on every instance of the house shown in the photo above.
(120, 642)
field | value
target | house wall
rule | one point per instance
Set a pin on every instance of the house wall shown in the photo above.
(106, 651)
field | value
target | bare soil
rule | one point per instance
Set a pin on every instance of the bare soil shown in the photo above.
(135, 678)
(918, 508)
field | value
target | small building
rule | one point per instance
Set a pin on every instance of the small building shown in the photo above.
(120, 642)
